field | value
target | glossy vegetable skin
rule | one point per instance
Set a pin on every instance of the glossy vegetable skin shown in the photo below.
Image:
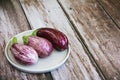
(43, 47)
(24, 54)
(57, 38)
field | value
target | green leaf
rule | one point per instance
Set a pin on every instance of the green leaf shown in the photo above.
(25, 39)
(35, 32)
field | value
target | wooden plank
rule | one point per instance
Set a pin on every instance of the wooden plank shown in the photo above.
(99, 33)
(112, 8)
(48, 13)
(12, 22)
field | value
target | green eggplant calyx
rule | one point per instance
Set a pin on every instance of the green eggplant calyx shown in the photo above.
(35, 32)
(25, 39)
(14, 40)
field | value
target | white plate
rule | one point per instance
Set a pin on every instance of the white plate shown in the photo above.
(56, 59)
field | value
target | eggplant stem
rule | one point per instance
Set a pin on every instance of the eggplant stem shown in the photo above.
(14, 40)
(35, 32)
(25, 39)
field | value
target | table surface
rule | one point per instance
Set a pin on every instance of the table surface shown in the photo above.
(92, 27)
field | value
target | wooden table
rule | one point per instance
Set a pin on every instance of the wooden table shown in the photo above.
(92, 27)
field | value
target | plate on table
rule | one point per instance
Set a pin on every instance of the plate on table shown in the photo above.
(56, 59)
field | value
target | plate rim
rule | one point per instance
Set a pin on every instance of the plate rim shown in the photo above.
(40, 71)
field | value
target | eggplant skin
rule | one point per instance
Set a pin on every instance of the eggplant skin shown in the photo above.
(43, 47)
(57, 38)
(24, 54)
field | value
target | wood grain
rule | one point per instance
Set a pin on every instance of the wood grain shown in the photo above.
(12, 22)
(99, 33)
(112, 8)
(48, 13)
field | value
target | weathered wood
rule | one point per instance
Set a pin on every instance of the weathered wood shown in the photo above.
(112, 8)
(12, 22)
(48, 13)
(99, 33)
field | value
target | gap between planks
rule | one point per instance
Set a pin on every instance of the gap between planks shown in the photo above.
(25, 15)
(48, 75)
(108, 14)
(83, 44)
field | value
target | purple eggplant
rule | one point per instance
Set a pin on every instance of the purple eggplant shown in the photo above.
(43, 47)
(57, 38)
(23, 53)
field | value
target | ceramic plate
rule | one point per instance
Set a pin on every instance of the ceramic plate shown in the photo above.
(56, 59)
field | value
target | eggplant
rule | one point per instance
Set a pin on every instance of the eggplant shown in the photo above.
(56, 37)
(43, 47)
(23, 53)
